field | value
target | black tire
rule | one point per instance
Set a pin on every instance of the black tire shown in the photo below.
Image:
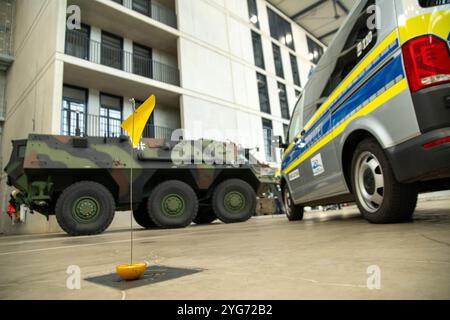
(205, 215)
(293, 211)
(142, 217)
(379, 196)
(85, 208)
(243, 197)
(176, 196)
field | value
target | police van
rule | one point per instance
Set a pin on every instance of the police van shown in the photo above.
(373, 122)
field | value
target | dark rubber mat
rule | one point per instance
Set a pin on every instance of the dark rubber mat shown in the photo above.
(153, 274)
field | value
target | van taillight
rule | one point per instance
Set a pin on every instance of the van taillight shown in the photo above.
(427, 62)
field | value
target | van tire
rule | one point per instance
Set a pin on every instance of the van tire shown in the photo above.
(142, 217)
(205, 215)
(293, 212)
(379, 196)
(233, 201)
(172, 204)
(85, 208)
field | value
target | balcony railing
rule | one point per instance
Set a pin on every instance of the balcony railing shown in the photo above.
(77, 124)
(80, 46)
(153, 10)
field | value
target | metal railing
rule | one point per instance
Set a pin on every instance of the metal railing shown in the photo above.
(80, 46)
(78, 124)
(6, 26)
(155, 11)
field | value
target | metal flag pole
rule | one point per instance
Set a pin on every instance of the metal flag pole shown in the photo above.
(133, 105)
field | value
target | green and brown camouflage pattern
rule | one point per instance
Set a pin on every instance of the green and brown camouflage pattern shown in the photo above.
(42, 166)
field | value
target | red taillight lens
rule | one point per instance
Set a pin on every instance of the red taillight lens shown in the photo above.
(436, 143)
(427, 62)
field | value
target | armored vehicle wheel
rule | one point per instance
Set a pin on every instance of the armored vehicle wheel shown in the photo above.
(172, 204)
(142, 217)
(293, 212)
(233, 201)
(380, 197)
(85, 208)
(205, 215)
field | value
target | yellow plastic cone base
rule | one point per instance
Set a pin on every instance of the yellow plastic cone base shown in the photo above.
(129, 272)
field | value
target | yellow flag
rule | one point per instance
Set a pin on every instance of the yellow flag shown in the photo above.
(138, 120)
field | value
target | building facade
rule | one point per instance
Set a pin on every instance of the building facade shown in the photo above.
(223, 69)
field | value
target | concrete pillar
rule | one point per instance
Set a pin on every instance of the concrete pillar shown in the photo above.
(128, 55)
(95, 45)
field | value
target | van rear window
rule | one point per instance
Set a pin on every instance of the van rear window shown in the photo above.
(432, 3)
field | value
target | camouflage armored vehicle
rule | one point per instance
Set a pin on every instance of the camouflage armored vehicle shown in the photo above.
(83, 181)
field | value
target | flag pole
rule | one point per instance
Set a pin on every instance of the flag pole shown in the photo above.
(133, 105)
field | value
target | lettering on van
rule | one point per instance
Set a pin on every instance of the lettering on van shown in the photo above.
(361, 46)
(294, 175)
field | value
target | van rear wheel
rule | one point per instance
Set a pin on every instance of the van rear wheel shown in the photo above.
(379, 196)
(293, 212)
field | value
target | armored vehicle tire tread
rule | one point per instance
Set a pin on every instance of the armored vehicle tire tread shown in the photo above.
(293, 211)
(85, 208)
(379, 196)
(142, 217)
(205, 215)
(233, 201)
(172, 204)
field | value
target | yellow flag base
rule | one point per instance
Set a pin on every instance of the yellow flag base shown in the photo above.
(130, 272)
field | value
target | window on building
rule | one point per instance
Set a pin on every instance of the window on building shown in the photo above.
(295, 72)
(112, 53)
(264, 102)
(283, 101)
(297, 94)
(77, 42)
(278, 60)
(267, 134)
(253, 12)
(315, 50)
(285, 132)
(142, 61)
(143, 6)
(280, 29)
(353, 51)
(74, 107)
(110, 115)
(118, 1)
(258, 50)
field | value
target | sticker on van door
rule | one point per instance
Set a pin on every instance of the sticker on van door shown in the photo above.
(317, 165)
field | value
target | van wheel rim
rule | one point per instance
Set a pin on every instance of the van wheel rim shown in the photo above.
(234, 201)
(173, 205)
(369, 182)
(287, 202)
(86, 210)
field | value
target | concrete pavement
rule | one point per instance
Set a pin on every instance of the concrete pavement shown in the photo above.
(327, 256)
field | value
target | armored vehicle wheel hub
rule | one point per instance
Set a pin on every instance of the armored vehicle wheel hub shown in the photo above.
(234, 201)
(86, 209)
(173, 205)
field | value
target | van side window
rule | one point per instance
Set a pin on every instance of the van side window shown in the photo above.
(360, 42)
(296, 124)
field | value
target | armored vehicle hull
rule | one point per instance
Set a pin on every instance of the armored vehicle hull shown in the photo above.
(83, 181)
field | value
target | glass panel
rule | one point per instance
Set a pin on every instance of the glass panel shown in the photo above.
(110, 116)
(280, 29)
(253, 12)
(77, 42)
(267, 133)
(263, 93)
(142, 6)
(278, 61)
(73, 111)
(142, 61)
(258, 50)
(112, 51)
(315, 50)
(295, 72)
(283, 101)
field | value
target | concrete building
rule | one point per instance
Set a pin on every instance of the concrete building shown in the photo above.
(217, 67)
